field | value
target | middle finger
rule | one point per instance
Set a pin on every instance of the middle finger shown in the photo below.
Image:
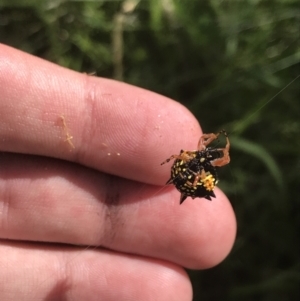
(51, 200)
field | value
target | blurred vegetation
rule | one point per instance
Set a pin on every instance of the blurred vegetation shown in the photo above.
(234, 64)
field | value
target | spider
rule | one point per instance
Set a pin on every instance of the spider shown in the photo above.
(193, 173)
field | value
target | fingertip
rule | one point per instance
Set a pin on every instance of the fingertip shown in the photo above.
(215, 231)
(200, 233)
(223, 231)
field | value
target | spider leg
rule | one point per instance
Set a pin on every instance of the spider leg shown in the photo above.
(226, 158)
(184, 156)
(171, 158)
(199, 176)
(206, 139)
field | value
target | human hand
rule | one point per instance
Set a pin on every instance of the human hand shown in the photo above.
(80, 164)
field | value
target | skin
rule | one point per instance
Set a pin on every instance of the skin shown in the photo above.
(84, 214)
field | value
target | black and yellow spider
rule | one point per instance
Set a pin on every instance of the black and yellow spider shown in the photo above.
(193, 172)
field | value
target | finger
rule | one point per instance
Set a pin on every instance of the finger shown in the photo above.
(110, 126)
(43, 272)
(57, 201)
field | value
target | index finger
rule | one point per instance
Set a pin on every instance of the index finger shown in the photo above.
(107, 125)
